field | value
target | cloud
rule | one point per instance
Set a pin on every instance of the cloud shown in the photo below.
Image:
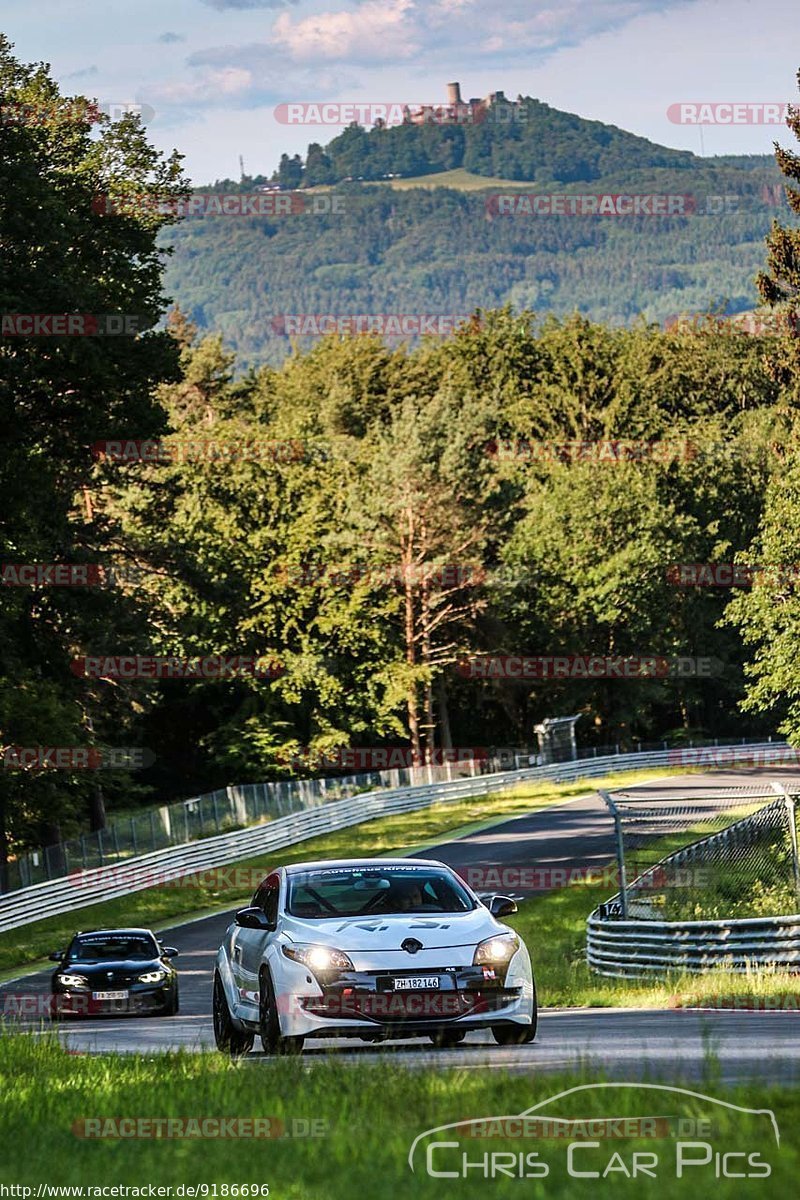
(248, 4)
(169, 38)
(84, 73)
(213, 88)
(377, 31)
(367, 33)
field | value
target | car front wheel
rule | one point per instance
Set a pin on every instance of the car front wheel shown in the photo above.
(173, 1006)
(229, 1039)
(518, 1035)
(269, 1024)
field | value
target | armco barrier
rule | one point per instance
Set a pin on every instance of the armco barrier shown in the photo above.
(636, 949)
(135, 874)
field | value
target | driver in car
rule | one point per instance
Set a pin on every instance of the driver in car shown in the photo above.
(404, 896)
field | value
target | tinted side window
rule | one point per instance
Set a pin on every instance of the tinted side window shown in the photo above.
(270, 904)
(266, 898)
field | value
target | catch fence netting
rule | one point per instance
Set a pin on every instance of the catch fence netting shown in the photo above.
(708, 854)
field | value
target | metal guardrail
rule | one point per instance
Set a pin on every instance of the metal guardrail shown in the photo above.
(637, 949)
(83, 888)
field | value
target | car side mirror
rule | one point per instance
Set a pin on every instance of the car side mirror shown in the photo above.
(253, 918)
(502, 906)
(56, 956)
(169, 952)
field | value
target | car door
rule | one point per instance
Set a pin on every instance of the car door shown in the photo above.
(251, 944)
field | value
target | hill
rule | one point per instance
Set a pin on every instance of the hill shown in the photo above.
(434, 243)
(524, 139)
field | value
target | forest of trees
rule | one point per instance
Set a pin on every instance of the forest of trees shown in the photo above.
(364, 515)
(370, 249)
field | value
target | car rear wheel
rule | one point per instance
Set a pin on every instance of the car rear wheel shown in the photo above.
(229, 1039)
(269, 1024)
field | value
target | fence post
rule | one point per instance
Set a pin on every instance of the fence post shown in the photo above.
(623, 879)
(790, 813)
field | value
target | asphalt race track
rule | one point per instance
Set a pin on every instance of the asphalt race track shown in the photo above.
(629, 1043)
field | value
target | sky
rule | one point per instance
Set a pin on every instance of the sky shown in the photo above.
(211, 73)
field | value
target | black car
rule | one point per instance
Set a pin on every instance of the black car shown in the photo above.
(114, 971)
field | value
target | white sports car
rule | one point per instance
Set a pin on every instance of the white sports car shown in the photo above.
(376, 949)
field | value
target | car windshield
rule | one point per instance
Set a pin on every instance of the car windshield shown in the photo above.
(363, 891)
(110, 946)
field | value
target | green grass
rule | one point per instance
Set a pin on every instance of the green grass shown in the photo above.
(368, 1118)
(458, 178)
(157, 907)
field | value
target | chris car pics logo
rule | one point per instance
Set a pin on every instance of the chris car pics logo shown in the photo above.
(637, 1130)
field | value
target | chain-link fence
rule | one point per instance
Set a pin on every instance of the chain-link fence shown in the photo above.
(709, 854)
(227, 809)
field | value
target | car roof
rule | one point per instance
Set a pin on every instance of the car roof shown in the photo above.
(375, 863)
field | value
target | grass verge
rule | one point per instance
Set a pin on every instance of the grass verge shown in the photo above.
(366, 1120)
(194, 895)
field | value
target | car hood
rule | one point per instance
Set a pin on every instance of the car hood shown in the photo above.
(389, 932)
(131, 966)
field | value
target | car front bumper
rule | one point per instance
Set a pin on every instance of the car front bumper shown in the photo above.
(141, 1000)
(369, 1004)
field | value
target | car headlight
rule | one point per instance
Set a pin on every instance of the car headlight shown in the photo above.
(152, 977)
(73, 981)
(496, 951)
(318, 958)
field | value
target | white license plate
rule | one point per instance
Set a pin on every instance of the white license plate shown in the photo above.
(110, 995)
(429, 982)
